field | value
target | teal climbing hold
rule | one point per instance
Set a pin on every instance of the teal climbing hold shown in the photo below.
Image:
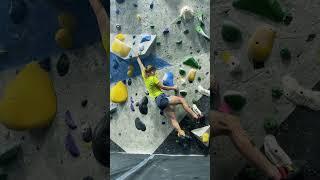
(182, 72)
(230, 31)
(200, 31)
(235, 100)
(267, 8)
(190, 61)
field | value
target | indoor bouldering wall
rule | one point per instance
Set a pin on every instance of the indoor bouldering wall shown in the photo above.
(294, 51)
(176, 40)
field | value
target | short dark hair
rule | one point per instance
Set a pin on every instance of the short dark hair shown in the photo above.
(149, 69)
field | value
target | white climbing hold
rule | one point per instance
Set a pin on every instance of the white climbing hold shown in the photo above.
(203, 91)
(300, 95)
(196, 109)
(275, 153)
(186, 13)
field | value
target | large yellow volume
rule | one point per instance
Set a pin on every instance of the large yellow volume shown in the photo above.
(120, 48)
(261, 43)
(119, 93)
(29, 100)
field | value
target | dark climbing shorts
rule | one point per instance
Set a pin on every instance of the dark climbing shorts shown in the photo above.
(162, 101)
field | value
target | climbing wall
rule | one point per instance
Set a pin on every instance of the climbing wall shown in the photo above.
(257, 84)
(162, 15)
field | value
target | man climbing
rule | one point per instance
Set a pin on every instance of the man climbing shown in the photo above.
(164, 102)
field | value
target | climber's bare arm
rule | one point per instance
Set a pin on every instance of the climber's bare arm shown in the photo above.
(142, 68)
(102, 17)
(167, 88)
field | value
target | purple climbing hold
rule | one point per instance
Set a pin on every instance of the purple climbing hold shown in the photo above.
(132, 104)
(166, 31)
(145, 38)
(71, 145)
(69, 121)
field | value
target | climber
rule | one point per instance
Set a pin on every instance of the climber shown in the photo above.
(164, 102)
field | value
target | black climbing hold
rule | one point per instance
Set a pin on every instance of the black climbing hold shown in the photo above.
(86, 132)
(63, 65)
(152, 27)
(84, 103)
(179, 21)
(144, 100)
(179, 42)
(186, 31)
(71, 145)
(147, 93)
(198, 51)
(134, 36)
(120, 1)
(183, 93)
(18, 11)
(129, 82)
(137, 103)
(199, 79)
(88, 178)
(277, 93)
(100, 142)
(287, 19)
(135, 5)
(163, 123)
(285, 54)
(133, 43)
(158, 43)
(151, 5)
(166, 31)
(8, 152)
(143, 105)
(139, 124)
(69, 120)
(45, 64)
(311, 37)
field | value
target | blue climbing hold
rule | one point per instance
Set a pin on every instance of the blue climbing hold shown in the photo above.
(120, 1)
(145, 38)
(168, 79)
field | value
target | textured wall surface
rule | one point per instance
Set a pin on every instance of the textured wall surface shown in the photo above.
(257, 84)
(163, 14)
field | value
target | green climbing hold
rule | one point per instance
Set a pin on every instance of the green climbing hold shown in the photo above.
(199, 79)
(190, 61)
(152, 27)
(179, 42)
(285, 54)
(235, 100)
(270, 125)
(277, 93)
(267, 8)
(230, 31)
(182, 72)
(200, 30)
(183, 93)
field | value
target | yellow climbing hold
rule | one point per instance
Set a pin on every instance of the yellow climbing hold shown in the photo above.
(121, 37)
(67, 21)
(119, 93)
(64, 38)
(130, 70)
(139, 17)
(29, 100)
(120, 48)
(191, 75)
(205, 137)
(260, 44)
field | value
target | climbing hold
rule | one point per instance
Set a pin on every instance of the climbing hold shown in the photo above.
(64, 38)
(191, 75)
(190, 61)
(277, 93)
(86, 132)
(300, 95)
(135, 5)
(118, 27)
(113, 107)
(203, 91)
(311, 37)
(199, 79)
(84, 103)
(275, 153)
(100, 141)
(199, 16)
(120, 48)
(200, 30)
(186, 31)
(182, 72)
(179, 42)
(151, 5)
(270, 125)
(158, 43)
(183, 93)
(121, 37)
(285, 54)
(152, 26)
(129, 82)
(120, 1)
(119, 93)
(267, 8)
(179, 21)
(18, 11)
(139, 17)
(46, 64)
(67, 21)
(69, 120)
(287, 19)
(202, 134)
(232, 62)
(235, 100)
(63, 65)
(28, 101)
(131, 104)
(260, 45)
(8, 152)
(167, 79)
(143, 105)
(71, 145)
(117, 11)
(205, 137)
(139, 124)
(230, 31)
(166, 31)
(145, 38)
(186, 13)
